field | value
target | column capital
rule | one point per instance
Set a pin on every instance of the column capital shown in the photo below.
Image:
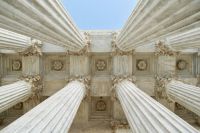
(117, 79)
(84, 51)
(116, 50)
(86, 80)
(36, 85)
(34, 49)
(163, 50)
(160, 86)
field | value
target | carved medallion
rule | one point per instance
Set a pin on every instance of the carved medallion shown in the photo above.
(57, 65)
(101, 65)
(16, 65)
(181, 64)
(100, 105)
(141, 65)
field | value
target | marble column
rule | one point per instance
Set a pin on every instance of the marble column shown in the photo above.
(32, 67)
(44, 20)
(189, 39)
(55, 114)
(14, 93)
(153, 20)
(146, 115)
(184, 94)
(13, 41)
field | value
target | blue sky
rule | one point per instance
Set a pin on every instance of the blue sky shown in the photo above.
(99, 14)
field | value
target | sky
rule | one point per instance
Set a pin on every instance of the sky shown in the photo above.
(99, 14)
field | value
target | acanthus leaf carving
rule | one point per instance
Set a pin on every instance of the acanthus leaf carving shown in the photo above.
(116, 50)
(117, 79)
(160, 86)
(34, 49)
(85, 50)
(161, 49)
(86, 80)
(36, 86)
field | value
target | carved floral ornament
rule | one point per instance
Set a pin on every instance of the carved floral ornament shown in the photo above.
(57, 65)
(118, 79)
(161, 49)
(101, 105)
(16, 65)
(142, 65)
(181, 64)
(86, 80)
(36, 86)
(34, 49)
(116, 50)
(160, 86)
(85, 50)
(100, 64)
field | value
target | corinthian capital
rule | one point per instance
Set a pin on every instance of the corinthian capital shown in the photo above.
(36, 85)
(162, 49)
(86, 80)
(118, 79)
(34, 49)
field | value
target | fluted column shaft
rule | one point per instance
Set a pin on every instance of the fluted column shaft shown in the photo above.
(14, 93)
(189, 39)
(12, 40)
(184, 94)
(54, 115)
(146, 115)
(44, 20)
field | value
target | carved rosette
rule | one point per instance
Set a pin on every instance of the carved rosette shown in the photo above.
(34, 49)
(160, 87)
(118, 79)
(16, 65)
(119, 124)
(116, 50)
(36, 87)
(86, 80)
(163, 50)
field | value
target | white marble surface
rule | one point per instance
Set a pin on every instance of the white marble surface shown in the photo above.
(146, 115)
(14, 93)
(54, 115)
(155, 20)
(185, 94)
(43, 20)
